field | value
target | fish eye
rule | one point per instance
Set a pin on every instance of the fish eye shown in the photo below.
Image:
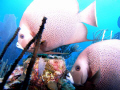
(21, 36)
(77, 68)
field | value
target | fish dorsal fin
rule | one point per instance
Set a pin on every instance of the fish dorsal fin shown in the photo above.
(43, 42)
(88, 15)
(96, 77)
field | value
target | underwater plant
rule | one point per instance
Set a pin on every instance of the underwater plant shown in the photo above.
(71, 60)
(69, 49)
(100, 36)
(10, 41)
(7, 29)
(4, 67)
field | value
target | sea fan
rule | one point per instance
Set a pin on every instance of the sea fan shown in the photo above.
(100, 35)
(116, 36)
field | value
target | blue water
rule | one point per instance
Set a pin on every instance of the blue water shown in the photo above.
(107, 13)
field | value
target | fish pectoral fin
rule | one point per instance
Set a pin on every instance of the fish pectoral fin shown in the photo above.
(50, 52)
(43, 45)
(96, 77)
(43, 42)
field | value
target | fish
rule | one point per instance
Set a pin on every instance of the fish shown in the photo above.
(118, 22)
(64, 23)
(102, 58)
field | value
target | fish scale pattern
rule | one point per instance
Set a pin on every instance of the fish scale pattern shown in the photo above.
(106, 56)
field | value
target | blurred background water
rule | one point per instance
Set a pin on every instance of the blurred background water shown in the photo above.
(11, 11)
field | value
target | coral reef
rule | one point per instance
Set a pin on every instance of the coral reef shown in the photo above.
(52, 77)
(66, 84)
(12, 81)
(54, 68)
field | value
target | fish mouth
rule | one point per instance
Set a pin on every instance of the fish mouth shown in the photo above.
(19, 46)
(70, 78)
